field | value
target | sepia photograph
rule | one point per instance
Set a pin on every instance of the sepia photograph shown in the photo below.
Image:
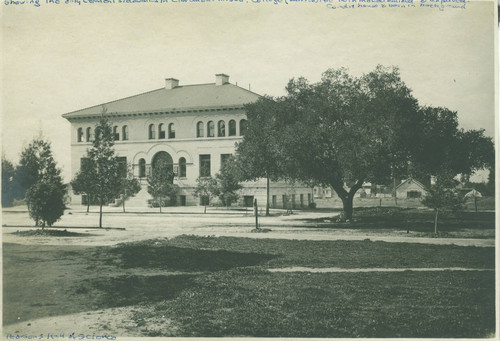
(248, 168)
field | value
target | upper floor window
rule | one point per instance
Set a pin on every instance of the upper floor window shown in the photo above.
(88, 134)
(152, 132)
(210, 129)
(199, 129)
(142, 168)
(232, 128)
(243, 127)
(116, 134)
(171, 131)
(182, 167)
(221, 128)
(161, 131)
(124, 133)
(97, 133)
(79, 134)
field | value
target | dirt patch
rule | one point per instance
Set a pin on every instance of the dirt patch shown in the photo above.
(105, 322)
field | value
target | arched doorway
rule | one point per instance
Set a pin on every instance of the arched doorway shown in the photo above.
(162, 158)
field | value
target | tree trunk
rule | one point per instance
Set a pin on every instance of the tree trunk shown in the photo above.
(205, 209)
(267, 193)
(100, 214)
(88, 204)
(394, 191)
(347, 197)
(123, 203)
(159, 204)
(436, 221)
(347, 206)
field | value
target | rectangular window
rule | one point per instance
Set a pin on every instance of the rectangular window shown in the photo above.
(122, 165)
(205, 165)
(248, 200)
(223, 159)
(308, 198)
(274, 201)
(302, 200)
(413, 194)
(84, 161)
(284, 200)
(293, 200)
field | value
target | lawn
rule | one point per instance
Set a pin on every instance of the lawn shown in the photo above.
(207, 286)
(410, 219)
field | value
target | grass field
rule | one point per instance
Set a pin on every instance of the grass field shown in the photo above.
(411, 219)
(207, 286)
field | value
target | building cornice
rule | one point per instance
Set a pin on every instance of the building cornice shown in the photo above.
(158, 112)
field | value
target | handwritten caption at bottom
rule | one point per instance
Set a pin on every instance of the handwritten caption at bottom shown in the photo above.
(59, 336)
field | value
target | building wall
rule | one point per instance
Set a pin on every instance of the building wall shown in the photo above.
(185, 144)
(401, 191)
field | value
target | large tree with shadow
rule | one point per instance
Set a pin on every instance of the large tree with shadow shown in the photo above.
(343, 131)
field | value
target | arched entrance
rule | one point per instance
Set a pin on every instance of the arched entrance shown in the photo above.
(162, 158)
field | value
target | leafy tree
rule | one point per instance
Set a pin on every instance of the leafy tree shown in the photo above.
(84, 181)
(444, 148)
(46, 191)
(103, 171)
(160, 183)
(343, 131)
(258, 155)
(227, 185)
(11, 188)
(443, 197)
(206, 188)
(129, 187)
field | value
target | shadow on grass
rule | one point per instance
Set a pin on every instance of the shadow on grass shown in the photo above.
(114, 291)
(129, 290)
(158, 254)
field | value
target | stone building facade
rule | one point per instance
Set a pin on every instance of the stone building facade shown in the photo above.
(193, 127)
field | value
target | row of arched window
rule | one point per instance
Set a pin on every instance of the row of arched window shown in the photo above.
(181, 172)
(221, 128)
(89, 134)
(161, 131)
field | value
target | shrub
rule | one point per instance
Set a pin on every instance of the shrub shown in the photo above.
(46, 202)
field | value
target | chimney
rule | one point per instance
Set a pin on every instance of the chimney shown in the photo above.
(171, 83)
(221, 79)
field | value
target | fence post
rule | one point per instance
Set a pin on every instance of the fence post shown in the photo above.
(256, 211)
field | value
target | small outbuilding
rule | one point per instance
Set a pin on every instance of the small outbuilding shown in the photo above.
(410, 189)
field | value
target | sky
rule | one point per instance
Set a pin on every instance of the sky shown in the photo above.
(57, 58)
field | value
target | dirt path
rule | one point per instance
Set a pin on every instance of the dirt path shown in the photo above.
(148, 225)
(329, 270)
(112, 322)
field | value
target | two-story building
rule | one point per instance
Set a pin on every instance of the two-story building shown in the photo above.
(194, 128)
